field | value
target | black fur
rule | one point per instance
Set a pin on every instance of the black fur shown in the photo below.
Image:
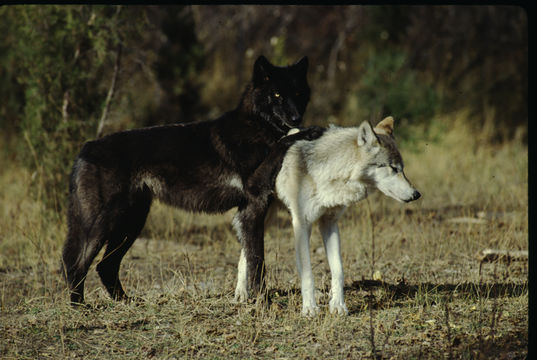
(209, 167)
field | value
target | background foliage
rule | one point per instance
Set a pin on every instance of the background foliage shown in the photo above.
(189, 63)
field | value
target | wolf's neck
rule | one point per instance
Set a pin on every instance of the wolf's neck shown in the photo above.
(343, 192)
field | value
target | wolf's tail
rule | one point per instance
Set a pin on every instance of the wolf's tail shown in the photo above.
(81, 245)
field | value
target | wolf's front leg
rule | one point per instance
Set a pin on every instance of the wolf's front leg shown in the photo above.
(241, 290)
(249, 226)
(302, 231)
(249, 221)
(330, 233)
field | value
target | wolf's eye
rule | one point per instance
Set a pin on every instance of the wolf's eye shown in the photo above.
(277, 94)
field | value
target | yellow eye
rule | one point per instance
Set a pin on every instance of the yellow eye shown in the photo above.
(276, 94)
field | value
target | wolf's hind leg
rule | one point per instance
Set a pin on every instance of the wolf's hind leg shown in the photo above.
(108, 268)
(125, 230)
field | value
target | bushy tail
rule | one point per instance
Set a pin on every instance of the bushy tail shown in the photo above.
(82, 243)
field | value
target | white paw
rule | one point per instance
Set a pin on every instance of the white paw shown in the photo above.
(241, 295)
(310, 310)
(338, 307)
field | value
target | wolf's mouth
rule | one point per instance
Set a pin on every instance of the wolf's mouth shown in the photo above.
(401, 200)
(415, 196)
(293, 123)
(285, 124)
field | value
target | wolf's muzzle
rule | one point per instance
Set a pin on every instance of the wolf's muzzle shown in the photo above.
(293, 121)
(296, 120)
(415, 196)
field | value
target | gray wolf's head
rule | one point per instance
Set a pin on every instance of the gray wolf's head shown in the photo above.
(384, 162)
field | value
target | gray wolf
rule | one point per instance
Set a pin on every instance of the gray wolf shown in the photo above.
(209, 166)
(319, 179)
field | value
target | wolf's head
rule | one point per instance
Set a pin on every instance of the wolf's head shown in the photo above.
(385, 165)
(278, 95)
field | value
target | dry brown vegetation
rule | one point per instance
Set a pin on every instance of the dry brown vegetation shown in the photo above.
(419, 293)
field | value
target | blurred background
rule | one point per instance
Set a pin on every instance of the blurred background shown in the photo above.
(71, 73)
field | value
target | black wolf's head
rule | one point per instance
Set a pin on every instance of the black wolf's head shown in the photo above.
(278, 95)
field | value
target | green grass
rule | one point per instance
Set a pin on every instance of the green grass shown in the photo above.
(429, 300)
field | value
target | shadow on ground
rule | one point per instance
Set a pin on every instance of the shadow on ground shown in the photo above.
(402, 291)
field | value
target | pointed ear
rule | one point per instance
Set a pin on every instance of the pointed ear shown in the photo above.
(301, 66)
(366, 135)
(262, 70)
(385, 126)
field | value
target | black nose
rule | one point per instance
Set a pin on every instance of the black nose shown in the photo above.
(416, 195)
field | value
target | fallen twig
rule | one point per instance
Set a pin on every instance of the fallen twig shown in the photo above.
(467, 220)
(491, 255)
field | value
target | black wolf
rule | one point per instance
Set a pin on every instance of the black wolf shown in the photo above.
(209, 166)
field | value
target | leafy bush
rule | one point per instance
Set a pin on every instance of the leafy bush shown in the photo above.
(60, 68)
(63, 56)
(61, 60)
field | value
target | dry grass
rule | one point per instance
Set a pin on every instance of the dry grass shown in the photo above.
(431, 300)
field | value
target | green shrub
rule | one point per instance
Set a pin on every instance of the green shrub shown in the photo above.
(62, 57)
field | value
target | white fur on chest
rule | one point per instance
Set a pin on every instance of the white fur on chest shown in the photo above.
(322, 174)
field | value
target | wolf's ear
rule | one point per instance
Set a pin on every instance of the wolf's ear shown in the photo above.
(366, 135)
(385, 126)
(301, 66)
(262, 70)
